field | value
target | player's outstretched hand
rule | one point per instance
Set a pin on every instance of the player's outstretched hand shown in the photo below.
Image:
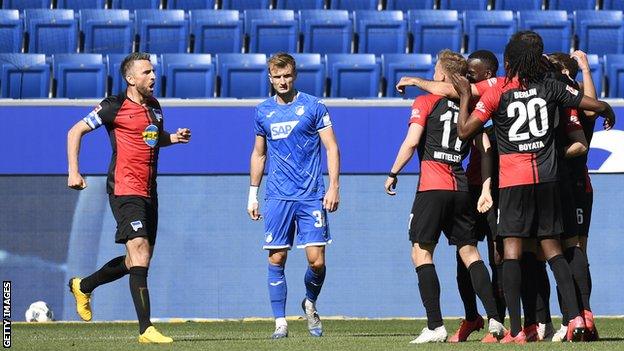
(403, 82)
(76, 181)
(253, 209)
(461, 85)
(331, 200)
(390, 185)
(485, 202)
(183, 135)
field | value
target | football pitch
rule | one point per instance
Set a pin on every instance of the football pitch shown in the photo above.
(357, 335)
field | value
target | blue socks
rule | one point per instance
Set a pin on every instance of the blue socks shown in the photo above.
(313, 283)
(277, 290)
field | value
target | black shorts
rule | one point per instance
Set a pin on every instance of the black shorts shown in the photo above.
(136, 216)
(485, 223)
(529, 211)
(435, 211)
(583, 210)
(568, 209)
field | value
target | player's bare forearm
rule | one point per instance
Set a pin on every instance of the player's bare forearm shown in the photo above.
(333, 167)
(74, 137)
(430, 86)
(182, 135)
(601, 108)
(578, 145)
(257, 162)
(485, 149)
(332, 196)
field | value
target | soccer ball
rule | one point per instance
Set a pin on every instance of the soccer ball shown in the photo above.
(39, 312)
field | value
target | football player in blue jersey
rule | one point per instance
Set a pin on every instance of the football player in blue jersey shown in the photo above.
(290, 127)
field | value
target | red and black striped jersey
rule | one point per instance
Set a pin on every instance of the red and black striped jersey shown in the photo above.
(440, 150)
(133, 130)
(524, 121)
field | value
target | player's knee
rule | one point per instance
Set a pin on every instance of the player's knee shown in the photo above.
(317, 265)
(277, 258)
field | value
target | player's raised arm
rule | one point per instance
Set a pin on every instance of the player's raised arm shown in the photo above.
(74, 137)
(256, 169)
(601, 108)
(467, 124)
(589, 89)
(431, 86)
(332, 196)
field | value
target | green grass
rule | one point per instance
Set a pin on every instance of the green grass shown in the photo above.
(358, 335)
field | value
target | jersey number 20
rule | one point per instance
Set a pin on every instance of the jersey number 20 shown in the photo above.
(521, 111)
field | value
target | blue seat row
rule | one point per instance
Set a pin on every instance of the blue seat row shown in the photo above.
(308, 31)
(238, 75)
(350, 5)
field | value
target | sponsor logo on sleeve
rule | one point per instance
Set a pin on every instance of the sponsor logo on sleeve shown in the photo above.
(326, 120)
(136, 225)
(416, 113)
(480, 107)
(158, 114)
(572, 90)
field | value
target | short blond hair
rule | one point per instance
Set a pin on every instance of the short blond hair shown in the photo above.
(282, 60)
(452, 62)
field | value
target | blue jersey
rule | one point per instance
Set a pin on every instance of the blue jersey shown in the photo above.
(294, 146)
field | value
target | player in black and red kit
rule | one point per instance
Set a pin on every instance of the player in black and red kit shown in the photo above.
(482, 65)
(442, 201)
(134, 122)
(577, 190)
(523, 108)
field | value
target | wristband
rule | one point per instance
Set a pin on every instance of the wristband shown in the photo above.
(253, 196)
(392, 175)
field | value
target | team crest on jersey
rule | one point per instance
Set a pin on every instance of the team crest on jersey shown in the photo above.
(300, 111)
(268, 237)
(282, 130)
(158, 114)
(150, 135)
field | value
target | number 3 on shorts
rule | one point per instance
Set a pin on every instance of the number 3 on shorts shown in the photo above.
(320, 223)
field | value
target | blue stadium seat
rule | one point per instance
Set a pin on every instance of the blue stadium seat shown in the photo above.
(380, 32)
(136, 4)
(571, 5)
(353, 75)
(242, 5)
(463, 5)
(352, 5)
(614, 67)
(271, 31)
(24, 76)
(518, 5)
(78, 5)
(11, 31)
(600, 32)
(489, 30)
(191, 4)
(26, 4)
(188, 76)
(434, 30)
(552, 26)
(597, 72)
(613, 5)
(501, 65)
(79, 76)
(216, 31)
(300, 4)
(107, 31)
(51, 31)
(326, 31)
(162, 31)
(406, 5)
(119, 83)
(310, 74)
(396, 66)
(243, 75)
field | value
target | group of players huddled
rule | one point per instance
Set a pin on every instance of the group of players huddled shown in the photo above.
(526, 188)
(536, 208)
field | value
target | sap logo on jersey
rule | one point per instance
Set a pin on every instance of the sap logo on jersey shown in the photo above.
(150, 135)
(282, 130)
